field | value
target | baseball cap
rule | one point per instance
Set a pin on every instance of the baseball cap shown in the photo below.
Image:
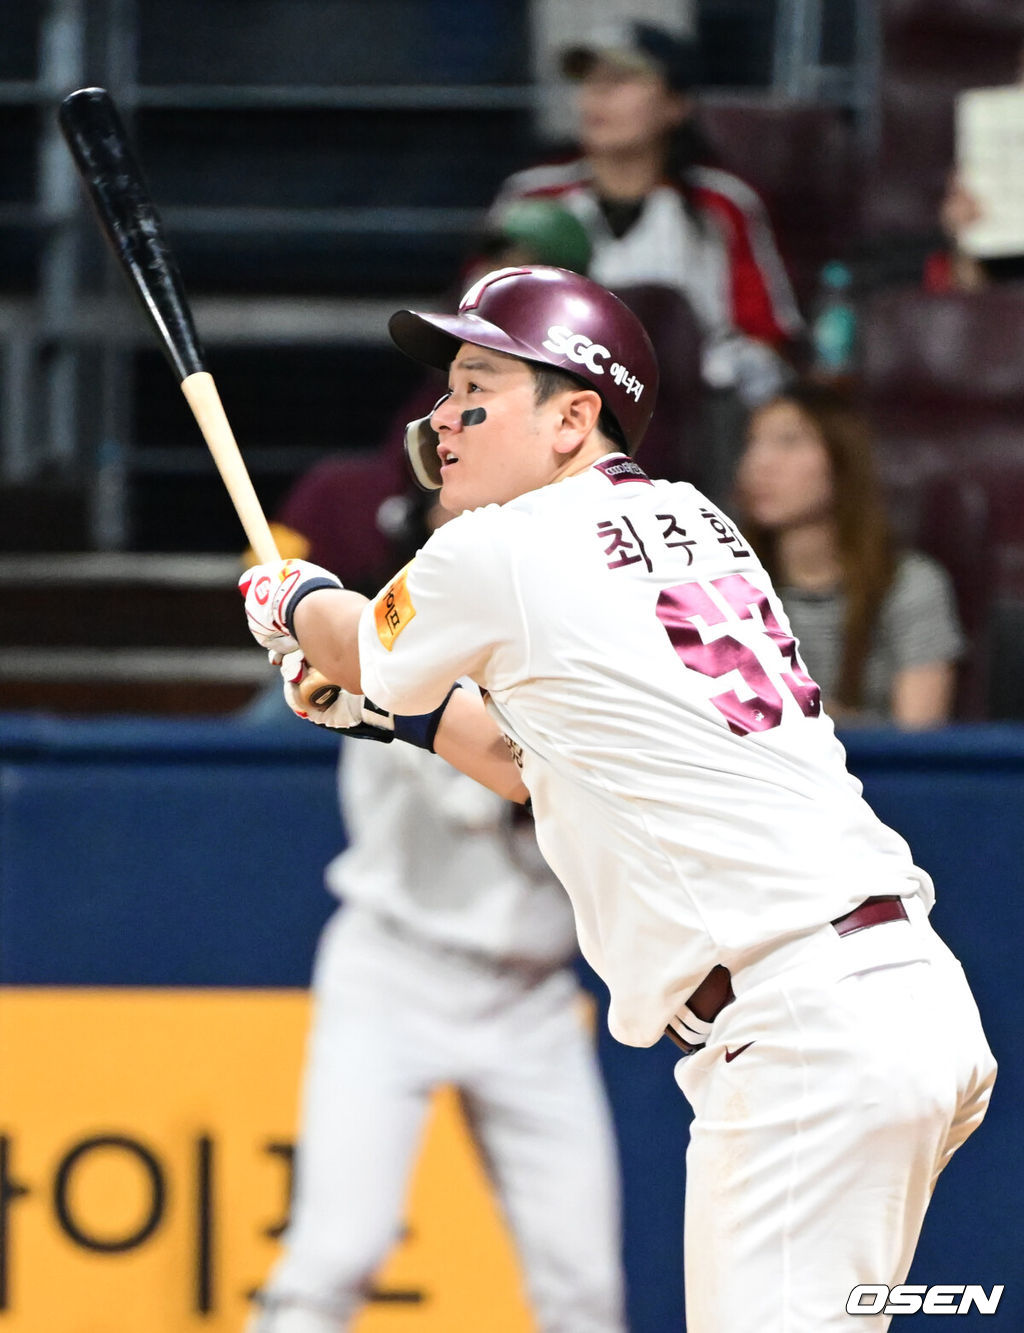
(638, 46)
(551, 234)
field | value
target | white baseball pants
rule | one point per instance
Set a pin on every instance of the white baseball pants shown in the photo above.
(814, 1151)
(395, 1018)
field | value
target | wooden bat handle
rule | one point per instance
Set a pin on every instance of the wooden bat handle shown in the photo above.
(204, 400)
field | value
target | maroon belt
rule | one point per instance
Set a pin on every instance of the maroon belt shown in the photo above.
(871, 912)
(715, 991)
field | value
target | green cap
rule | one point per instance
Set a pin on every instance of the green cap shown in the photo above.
(551, 233)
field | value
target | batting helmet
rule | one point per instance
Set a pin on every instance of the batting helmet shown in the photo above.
(548, 316)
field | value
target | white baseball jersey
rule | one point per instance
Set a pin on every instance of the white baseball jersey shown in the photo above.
(707, 235)
(688, 791)
(728, 267)
(433, 851)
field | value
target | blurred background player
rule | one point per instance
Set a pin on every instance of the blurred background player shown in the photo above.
(450, 963)
(644, 182)
(877, 626)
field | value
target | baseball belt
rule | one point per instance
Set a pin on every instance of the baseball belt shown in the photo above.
(715, 991)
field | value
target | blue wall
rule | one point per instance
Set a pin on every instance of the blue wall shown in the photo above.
(136, 852)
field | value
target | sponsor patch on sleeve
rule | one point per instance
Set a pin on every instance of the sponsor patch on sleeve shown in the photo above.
(393, 610)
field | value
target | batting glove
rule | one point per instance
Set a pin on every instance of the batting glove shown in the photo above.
(272, 592)
(353, 714)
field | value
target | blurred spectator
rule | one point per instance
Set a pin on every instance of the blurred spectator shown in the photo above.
(657, 210)
(877, 627)
(951, 268)
(532, 231)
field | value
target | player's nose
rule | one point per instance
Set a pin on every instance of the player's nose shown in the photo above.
(445, 416)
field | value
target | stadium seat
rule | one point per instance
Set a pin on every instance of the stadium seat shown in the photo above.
(977, 17)
(954, 527)
(944, 386)
(335, 504)
(1005, 676)
(960, 347)
(671, 446)
(804, 162)
(905, 182)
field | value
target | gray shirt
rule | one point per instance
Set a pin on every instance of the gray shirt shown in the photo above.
(918, 624)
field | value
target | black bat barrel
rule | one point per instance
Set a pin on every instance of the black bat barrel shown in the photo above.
(95, 133)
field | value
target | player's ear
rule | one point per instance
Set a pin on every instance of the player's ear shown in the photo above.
(580, 411)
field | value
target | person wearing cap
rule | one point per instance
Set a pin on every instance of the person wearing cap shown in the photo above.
(532, 231)
(658, 211)
(640, 685)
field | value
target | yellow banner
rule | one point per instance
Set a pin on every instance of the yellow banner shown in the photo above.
(145, 1159)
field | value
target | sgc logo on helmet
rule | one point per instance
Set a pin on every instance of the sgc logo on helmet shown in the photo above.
(577, 347)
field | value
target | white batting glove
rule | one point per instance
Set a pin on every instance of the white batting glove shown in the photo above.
(272, 592)
(343, 711)
(353, 714)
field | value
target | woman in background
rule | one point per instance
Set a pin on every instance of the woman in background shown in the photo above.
(877, 626)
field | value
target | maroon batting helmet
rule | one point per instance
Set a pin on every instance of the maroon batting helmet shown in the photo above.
(548, 316)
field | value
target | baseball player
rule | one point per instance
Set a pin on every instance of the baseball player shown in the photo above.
(641, 687)
(448, 964)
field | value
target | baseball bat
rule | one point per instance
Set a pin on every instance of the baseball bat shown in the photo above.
(96, 136)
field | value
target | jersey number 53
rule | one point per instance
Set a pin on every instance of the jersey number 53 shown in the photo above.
(684, 608)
